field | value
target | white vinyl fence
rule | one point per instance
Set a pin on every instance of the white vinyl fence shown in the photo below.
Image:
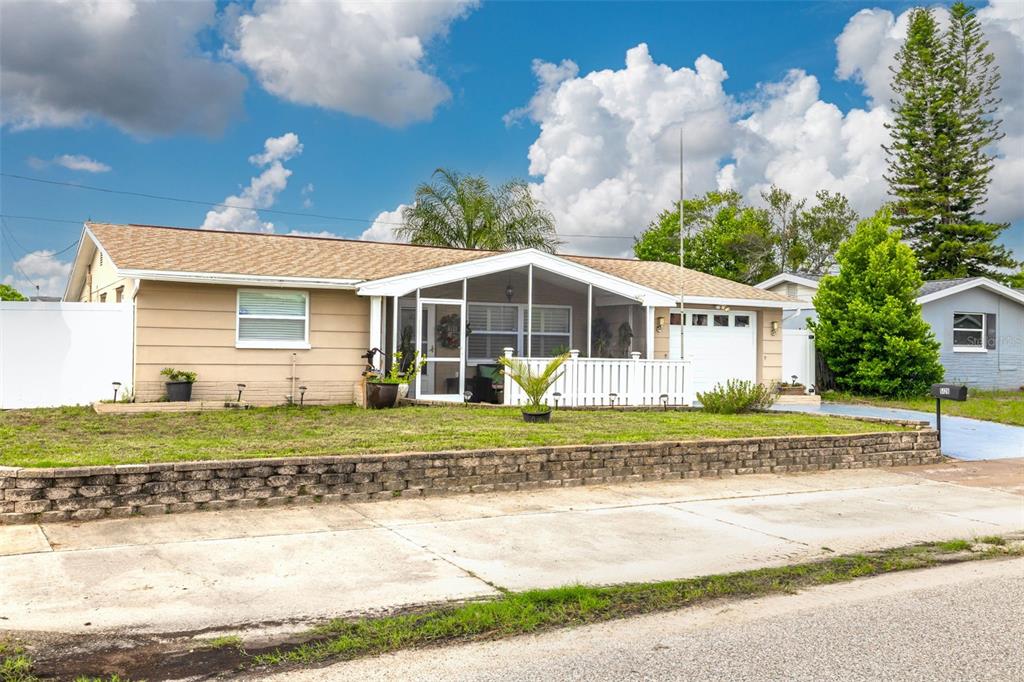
(798, 356)
(603, 381)
(55, 354)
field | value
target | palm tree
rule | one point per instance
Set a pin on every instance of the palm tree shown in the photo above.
(464, 211)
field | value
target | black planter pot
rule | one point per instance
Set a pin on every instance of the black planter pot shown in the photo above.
(537, 417)
(179, 391)
(381, 396)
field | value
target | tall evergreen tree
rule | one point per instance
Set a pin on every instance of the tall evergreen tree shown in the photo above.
(939, 163)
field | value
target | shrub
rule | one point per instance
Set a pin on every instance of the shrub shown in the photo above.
(869, 328)
(736, 396)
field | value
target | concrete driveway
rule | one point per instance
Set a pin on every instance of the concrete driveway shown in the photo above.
(290, 566)
(962, 438)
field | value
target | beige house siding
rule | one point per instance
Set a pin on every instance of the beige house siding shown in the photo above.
(192, 327)
(769, 348)
(101, 280)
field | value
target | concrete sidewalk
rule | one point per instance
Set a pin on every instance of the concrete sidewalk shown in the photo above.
(188, 572)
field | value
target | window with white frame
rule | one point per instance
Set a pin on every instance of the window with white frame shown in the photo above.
(969, 331)
(492, 328)
(273, 319)
(551, 330)
(496, 326)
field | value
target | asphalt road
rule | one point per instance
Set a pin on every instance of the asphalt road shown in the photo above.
(962, 622)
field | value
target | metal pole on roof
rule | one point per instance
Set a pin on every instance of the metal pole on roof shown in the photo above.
(682, 257)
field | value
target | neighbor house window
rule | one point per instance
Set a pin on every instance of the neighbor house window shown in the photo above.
(273, 319)
(969, 331)
(119, 294)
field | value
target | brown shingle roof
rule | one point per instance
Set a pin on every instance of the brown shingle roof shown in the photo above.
(144, 247)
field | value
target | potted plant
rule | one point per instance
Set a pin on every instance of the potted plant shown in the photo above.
(791, 388)
(534, 385)
(179, 384)
(382, 389)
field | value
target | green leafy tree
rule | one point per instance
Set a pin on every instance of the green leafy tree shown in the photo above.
(725, 238)
(940, 163)
(869, 328)
(465, 211)
(729, 239)
(1017, 280)
(9, 293)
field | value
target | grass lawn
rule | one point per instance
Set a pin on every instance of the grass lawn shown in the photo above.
(78, 436)
(994, 406)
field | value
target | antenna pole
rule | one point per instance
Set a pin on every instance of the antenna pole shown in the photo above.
(682, 255)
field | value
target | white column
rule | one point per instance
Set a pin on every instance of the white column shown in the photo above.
(419, 341)
(529, 311)
(590, 311)
(394, 325)
(650, 332)
(507, 392)
(463, 351)
(376, 333)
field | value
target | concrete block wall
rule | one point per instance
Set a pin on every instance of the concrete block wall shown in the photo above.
(30, 495)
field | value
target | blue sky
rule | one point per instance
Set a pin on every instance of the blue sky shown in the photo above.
(359, 167)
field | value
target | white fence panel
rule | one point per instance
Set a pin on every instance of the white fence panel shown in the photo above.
(604, 381)
(798, 356)
(55, 354)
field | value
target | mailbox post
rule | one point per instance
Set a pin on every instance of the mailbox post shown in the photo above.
(945, 392)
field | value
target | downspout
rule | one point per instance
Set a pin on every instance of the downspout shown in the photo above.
(136, 283)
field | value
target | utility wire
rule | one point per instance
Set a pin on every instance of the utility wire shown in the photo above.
(146, 195)
(5, 233)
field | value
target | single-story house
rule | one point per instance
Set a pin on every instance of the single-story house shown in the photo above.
(278, 313)
(978, 321)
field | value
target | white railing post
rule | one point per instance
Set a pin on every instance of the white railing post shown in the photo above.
(572, 379)
(636, 387)
(507, 391)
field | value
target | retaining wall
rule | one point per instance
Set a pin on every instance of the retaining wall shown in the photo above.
(30, 495)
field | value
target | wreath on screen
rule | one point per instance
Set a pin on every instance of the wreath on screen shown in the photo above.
(448, 331)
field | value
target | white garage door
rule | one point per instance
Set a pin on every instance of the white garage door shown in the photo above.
(720, 345)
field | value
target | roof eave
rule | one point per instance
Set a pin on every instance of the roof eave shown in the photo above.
(239, 279)
(983, 282)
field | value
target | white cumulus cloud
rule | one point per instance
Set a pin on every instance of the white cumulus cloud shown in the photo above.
(80, 162)
(363, 58)
(135, 64)
(40, 268)
(383, 227)
(239, 214)
(607, 153)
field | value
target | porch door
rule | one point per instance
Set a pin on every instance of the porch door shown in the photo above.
(441, 337)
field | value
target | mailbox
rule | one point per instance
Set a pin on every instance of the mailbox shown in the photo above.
(949, 392)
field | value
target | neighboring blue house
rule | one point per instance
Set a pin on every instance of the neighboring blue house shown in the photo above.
(979, 322)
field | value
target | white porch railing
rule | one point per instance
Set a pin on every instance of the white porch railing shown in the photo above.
(606, 381)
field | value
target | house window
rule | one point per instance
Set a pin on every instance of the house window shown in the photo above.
(103, 298)
(492, 329)
(741, 321)
(119, 294)
(721, 320)
(272, 319)
(699, 320)
(969, 332)
(551, 330)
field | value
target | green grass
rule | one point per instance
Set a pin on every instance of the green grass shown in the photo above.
(536, 610)
(995, 406)
(15, 664)
(77, 436)
(224, 642)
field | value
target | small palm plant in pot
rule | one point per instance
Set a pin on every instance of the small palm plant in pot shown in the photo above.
(534, 385)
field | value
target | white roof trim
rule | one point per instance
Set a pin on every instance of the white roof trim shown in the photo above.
(240, 279)
(76, 264)
(982, 282)
(786, 277)
(399, 285)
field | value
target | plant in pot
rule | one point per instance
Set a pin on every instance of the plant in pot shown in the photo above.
(534, 385)
(382, 389)
(179, 384)
(791, 388)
